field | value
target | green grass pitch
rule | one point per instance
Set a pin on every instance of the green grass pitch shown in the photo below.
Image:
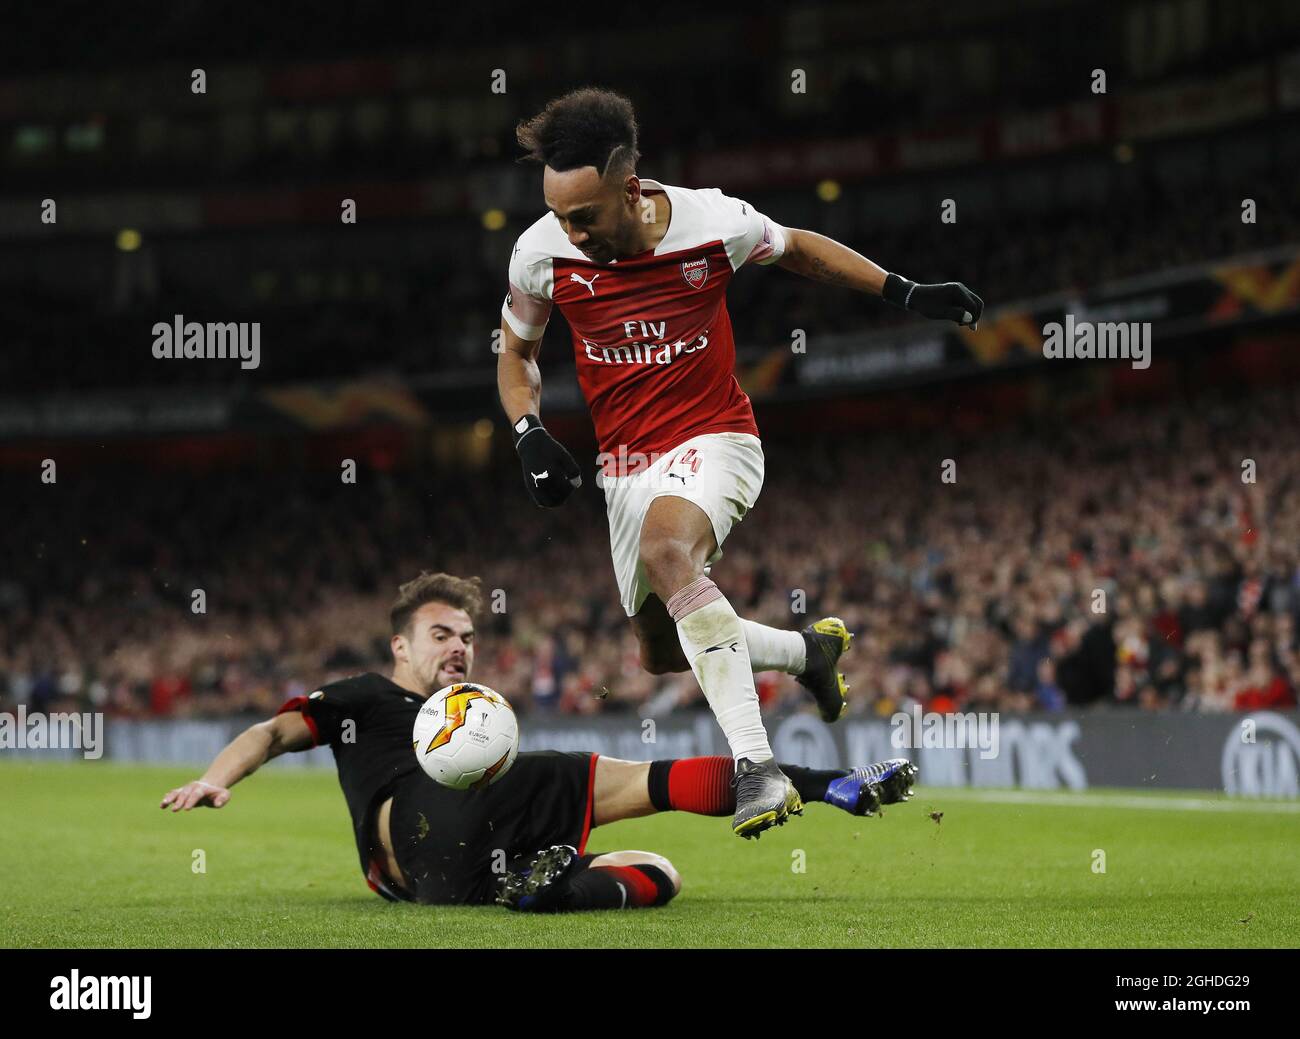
(87, 859)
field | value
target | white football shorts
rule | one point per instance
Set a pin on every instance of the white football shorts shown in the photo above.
(722, 473)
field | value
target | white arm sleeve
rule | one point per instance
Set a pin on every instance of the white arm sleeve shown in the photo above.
(527, 306)
(750, 237)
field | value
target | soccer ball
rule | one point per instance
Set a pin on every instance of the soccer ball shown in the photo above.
(466, 736)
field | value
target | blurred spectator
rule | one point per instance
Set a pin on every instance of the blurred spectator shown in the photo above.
(978, 595)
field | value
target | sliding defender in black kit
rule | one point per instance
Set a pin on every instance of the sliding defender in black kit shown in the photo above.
(522, 841)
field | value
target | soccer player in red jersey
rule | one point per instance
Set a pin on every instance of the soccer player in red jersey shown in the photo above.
(640, 271)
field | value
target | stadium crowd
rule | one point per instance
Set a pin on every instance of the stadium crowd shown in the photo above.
(1122, 560)
(322, 319)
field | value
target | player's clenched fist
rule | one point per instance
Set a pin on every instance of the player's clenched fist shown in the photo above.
(549, 470)
(194, 794)
(949, 301)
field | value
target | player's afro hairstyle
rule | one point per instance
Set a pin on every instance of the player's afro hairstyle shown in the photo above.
(586, 127)
(459, 592)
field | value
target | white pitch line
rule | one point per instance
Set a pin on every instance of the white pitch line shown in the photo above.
(1060, 799)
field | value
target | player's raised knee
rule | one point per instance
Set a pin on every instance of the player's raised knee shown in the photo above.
(667, 563)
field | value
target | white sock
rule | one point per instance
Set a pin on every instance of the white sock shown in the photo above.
(715, 646)
(774, 649)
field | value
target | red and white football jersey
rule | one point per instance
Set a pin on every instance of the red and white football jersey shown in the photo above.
(651, 334)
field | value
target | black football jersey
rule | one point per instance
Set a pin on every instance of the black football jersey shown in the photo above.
(367, 721)
(449, 842)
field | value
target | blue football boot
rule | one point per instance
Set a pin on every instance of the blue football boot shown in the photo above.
(864, 790)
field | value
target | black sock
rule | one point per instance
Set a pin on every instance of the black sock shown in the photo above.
(812, 782)
(615, 887)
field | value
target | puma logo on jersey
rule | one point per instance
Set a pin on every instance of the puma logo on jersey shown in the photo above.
(539, 477)
(589, 285)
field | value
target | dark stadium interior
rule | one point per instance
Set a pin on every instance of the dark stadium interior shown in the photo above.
(377, 345)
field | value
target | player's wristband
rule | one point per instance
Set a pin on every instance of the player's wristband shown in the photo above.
(897, 291)
(526, 425)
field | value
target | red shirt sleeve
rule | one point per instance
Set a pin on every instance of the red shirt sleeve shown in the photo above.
(303, 705)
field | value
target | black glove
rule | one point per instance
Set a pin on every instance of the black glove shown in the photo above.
(549, 470)
(951, 301)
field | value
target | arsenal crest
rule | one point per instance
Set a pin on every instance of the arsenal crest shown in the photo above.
(696, 272)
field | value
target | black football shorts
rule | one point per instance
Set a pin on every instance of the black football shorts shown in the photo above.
(454, 845)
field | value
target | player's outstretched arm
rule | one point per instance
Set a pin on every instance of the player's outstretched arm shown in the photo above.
(550, 473)
(242, 756)
(824, 259)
